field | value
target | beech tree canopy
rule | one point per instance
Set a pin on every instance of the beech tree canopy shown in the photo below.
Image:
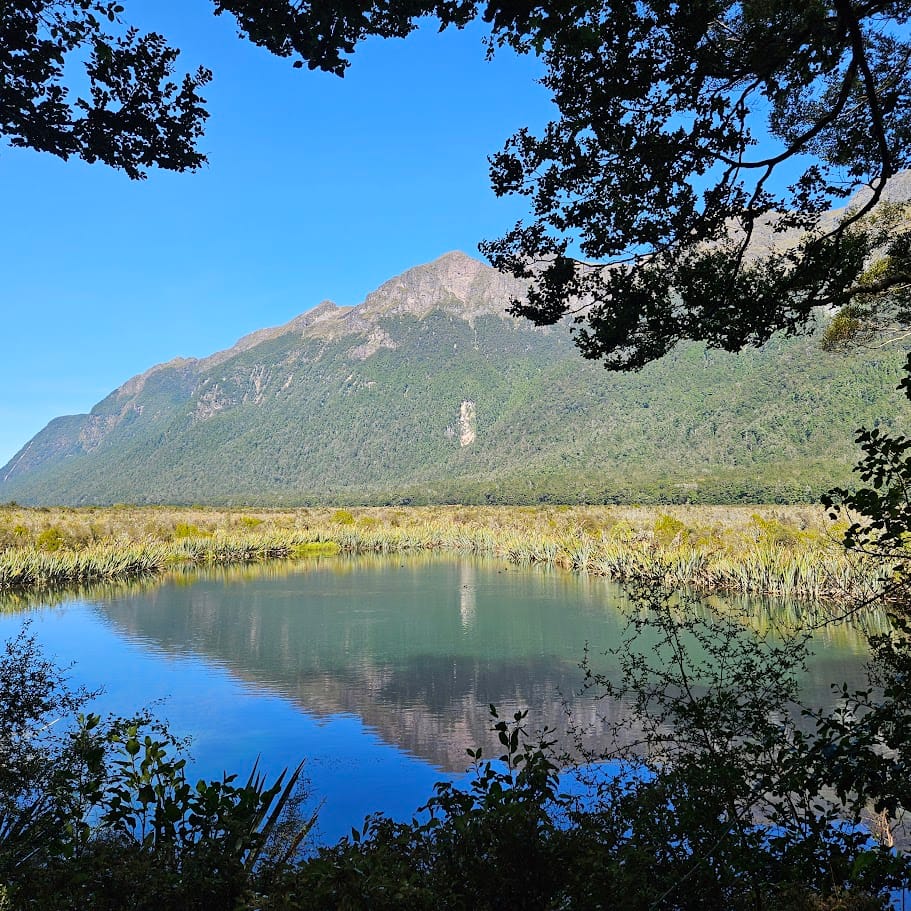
(690, 140)
(133, 114)
(685, 133)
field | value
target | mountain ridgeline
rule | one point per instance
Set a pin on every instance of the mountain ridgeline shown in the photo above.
(429, 392)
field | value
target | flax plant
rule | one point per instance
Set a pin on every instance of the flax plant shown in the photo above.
(790, 552)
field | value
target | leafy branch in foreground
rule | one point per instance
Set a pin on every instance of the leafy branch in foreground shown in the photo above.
(688, 137)
(718, 791)
(39, 768)
(135, 114)
(880, 512)
(101, 814)
(722, 778)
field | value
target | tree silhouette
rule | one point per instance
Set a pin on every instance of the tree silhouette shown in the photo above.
(135, 113)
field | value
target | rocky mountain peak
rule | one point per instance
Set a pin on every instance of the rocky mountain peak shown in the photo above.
(454, 282)
(347, 403)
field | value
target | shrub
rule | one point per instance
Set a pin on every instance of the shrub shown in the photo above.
(714, 797)
(367, 522)
(187, 530)
(50, 539)
(668, 530)
(771, 531)
(101, 815)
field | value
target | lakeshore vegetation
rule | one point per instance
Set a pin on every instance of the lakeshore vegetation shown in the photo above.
(792, 551)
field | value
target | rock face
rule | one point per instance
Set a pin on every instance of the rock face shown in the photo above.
(467, 423)
(428, 391)
(455, 283)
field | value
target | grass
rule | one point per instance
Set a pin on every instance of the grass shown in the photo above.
(780, 551)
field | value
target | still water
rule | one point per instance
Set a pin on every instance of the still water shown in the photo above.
(377, 670)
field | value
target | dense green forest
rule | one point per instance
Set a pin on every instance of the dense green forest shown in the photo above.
(734, 795)
(364, 406)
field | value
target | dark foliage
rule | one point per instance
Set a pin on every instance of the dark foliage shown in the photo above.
(39, 770)
(874, 737)
(717, 794)
(881, 511)
(100, 814)
(684, 132)
(135, 113)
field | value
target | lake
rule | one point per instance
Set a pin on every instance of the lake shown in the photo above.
(378, 670)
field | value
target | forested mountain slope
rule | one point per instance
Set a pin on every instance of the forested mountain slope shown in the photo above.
(428, 392)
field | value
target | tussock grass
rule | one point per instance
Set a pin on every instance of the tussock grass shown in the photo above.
(780, 551)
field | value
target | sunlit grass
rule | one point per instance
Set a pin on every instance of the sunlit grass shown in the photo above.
(779, 551)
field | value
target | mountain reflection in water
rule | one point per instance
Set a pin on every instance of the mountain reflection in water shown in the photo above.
(415, 647)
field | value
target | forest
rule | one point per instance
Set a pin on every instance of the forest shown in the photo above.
(684, 137)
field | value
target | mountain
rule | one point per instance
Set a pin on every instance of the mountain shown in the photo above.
(428, 391)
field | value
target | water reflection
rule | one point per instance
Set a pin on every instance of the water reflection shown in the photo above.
(415, 647)
(467, 598)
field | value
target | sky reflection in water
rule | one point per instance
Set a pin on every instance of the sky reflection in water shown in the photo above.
(378, 671)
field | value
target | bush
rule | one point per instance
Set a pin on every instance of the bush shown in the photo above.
(187, 530)
(50, 539)
(668, 530)
(715, 797)
(101, 815)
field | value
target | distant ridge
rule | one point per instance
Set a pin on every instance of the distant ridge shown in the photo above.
(429, 392)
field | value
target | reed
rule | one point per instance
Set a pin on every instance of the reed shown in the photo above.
(789, 552)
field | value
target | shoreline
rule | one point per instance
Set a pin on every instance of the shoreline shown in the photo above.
(776, 551)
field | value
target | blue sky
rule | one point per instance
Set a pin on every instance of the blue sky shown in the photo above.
(317, 187)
